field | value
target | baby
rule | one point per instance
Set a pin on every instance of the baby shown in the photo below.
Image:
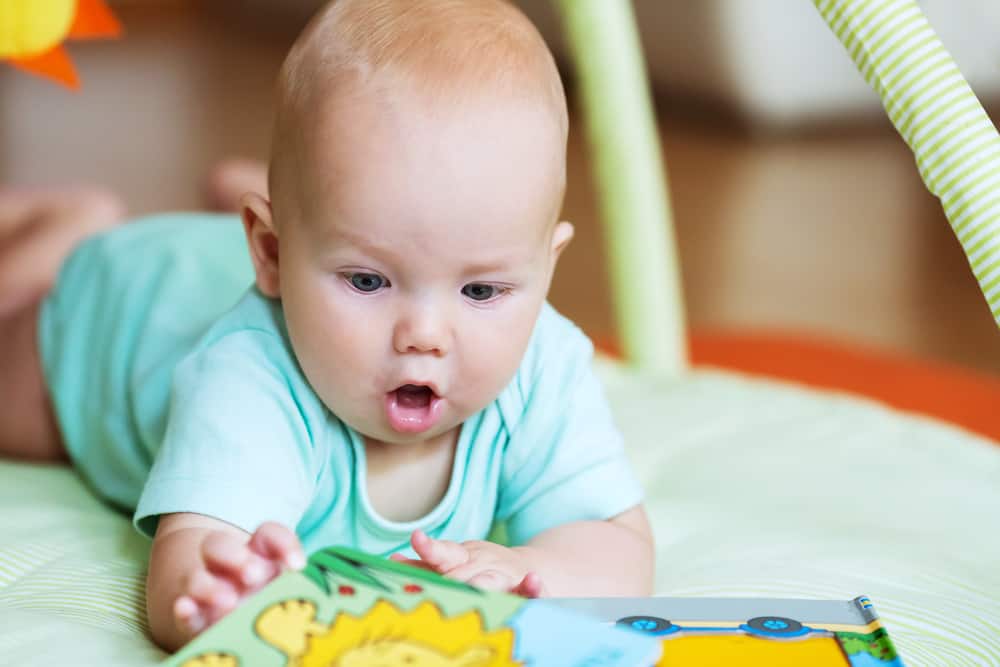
(392, 379)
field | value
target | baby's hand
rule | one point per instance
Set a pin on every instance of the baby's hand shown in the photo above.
(482, 564)
(233, 569)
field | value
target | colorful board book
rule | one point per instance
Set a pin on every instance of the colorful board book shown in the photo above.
(351, 609)
(738, 632)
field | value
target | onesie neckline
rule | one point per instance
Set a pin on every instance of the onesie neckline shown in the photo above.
(403, 529)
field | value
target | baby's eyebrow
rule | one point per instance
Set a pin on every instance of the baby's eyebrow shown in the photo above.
(488, 267)
(341, 237)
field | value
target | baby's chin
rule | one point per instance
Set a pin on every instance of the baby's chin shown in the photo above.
(446, 430)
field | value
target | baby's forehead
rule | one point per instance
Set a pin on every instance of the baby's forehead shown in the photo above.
(384, 123)
(363, 65)
(483, 172)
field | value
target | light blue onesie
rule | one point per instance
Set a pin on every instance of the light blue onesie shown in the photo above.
(176, 390)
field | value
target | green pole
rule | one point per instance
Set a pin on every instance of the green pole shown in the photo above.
(631, 182)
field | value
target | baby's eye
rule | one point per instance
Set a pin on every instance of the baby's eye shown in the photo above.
(367, 282)
(480, 291)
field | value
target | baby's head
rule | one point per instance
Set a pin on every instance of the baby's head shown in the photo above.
(417, 172)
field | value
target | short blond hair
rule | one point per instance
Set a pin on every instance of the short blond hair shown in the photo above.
(443, 50)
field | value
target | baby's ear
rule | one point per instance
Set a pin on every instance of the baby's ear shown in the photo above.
(262, 239)
(561, 236)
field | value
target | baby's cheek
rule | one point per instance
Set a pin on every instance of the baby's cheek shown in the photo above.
(492, 365)
(336, 359)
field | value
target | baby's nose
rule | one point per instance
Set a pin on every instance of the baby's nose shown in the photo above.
(422, 332)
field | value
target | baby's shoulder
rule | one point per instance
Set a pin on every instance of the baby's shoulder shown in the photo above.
(243, 368)
(245, 346)
(255, 323)
(557, 346)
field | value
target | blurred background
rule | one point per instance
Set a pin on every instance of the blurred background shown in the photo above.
(797, 206)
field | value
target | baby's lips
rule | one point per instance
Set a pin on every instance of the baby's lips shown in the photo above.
(404, 417)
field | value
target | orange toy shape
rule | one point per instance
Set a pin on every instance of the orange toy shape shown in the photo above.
(32, 33)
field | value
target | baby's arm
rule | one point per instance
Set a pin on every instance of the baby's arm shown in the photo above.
(577, 559)
(201, 568)
(595, 558)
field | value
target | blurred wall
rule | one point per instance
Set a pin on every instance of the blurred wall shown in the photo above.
(775, 61)
(181, 89)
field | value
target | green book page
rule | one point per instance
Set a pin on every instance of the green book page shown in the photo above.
(350, 609)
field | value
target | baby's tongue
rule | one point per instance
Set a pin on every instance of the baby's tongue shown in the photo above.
(412, 396)
(412, 409)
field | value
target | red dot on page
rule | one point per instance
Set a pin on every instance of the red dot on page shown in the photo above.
(345, 590)
(412, 588)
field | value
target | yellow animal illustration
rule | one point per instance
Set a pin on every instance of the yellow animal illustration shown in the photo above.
(212, 660)
(384, 637)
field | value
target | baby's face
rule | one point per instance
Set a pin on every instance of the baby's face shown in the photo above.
(412, 282)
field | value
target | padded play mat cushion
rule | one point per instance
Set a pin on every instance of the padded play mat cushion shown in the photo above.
(755, 488)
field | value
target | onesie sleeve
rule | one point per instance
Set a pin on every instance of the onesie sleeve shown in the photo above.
(566, 458)
(238, 445)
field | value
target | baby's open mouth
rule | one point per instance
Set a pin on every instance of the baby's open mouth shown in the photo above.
(412, 408)
(414, 396)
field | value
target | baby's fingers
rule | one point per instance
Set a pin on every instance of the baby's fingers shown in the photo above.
(227, 556)
(441, 555)
(208, 598)
(278, 544)
(530, 587)
(491, 580)
(211, 592)
(188, 615)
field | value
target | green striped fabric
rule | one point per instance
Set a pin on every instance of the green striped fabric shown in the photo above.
(935, 111)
